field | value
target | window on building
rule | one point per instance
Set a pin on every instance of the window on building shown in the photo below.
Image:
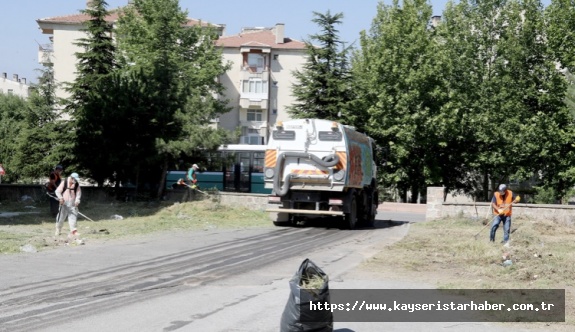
(255, 60)
(255, 86)
(255, 115)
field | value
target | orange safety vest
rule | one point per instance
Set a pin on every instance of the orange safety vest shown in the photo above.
(501, 201)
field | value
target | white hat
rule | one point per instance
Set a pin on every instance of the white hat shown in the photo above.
(195, 166)
(75, 176)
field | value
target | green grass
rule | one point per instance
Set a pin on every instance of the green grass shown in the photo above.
(139, 218)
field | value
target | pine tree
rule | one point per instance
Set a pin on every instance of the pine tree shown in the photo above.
(12, 114)
(42, 140)
(323, 87)
(175, 68)
(86, 106)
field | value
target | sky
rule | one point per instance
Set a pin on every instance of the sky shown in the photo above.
(20, 33)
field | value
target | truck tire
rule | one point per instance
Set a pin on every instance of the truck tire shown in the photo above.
(350, 219)
(370, 220)
(372, 209)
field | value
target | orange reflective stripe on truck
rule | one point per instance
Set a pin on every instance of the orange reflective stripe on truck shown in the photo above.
(342, 164)
(271, 158)
(309, 172)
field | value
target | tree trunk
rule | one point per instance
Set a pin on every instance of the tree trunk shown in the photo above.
(162, 179)
(414, 194)
(485, 186)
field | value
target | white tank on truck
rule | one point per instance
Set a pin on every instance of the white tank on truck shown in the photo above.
(320, 168)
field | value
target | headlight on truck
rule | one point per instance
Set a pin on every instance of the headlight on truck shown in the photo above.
(339, 175)
(269, 173)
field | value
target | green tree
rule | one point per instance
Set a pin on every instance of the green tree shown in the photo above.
(176, 66)
(570, 93)
(12, 112)
(500, 76)
(394, 75)
(323, 87)
(560, 17)
(543, 122)
(42, 140)
(95, 65)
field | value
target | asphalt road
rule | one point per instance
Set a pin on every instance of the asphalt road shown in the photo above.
(217, 280)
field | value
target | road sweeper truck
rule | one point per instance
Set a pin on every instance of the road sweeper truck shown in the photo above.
(320, 168)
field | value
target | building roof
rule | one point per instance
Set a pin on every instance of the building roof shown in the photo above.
(112, 17)
(263, 37)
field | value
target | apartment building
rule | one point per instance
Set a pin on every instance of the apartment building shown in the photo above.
(64, 32)
(258, 86)
(15, 86)
(259, 83)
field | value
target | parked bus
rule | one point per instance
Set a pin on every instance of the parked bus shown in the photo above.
(233, 168)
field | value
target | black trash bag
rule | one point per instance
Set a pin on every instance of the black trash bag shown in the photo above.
(310, 283)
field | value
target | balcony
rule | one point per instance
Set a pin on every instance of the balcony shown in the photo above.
(257, 125)
(254, 91)
(254, 100)
(45, 54)
(255, 73)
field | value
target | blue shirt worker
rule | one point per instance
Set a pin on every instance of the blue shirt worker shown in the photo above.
(501, 203)
(191, 180)
(191, 176)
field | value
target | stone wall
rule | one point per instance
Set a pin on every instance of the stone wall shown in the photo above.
(250, 201)
(37, 193)
(437, 208)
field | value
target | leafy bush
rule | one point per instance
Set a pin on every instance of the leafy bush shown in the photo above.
(545, 195)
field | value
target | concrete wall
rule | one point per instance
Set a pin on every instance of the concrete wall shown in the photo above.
(36, 193)
(250, 201)
(437, 208)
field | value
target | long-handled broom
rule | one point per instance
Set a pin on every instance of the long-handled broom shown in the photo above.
(517, 199)
(181, 182)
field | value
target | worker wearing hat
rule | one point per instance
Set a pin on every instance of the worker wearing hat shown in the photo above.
(192, 180)
(502, 209)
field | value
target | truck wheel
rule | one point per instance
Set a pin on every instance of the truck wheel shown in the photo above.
(371, 212)
(351, 217)
(370, 221)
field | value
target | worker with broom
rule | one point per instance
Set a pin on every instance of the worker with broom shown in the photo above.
(501, 203)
